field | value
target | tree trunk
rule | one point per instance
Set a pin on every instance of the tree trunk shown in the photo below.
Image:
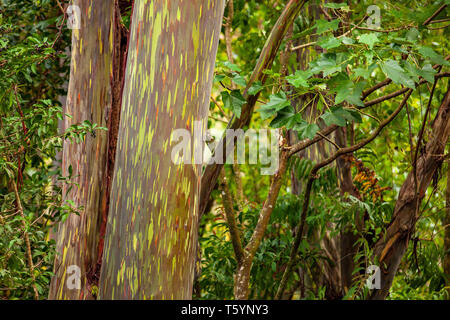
(95, 78)
(447, 232)
(392, 245)
(151, 235)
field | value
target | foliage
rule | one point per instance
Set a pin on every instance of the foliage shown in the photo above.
(34, 72)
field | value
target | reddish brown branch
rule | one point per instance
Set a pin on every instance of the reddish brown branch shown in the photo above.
(231, 220)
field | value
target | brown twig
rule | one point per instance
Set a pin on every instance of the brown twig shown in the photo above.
(434, 14)
(231, 219)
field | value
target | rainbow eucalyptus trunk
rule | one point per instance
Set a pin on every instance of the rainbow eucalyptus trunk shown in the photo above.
(152, 224)
(447, 232)
(92, 95)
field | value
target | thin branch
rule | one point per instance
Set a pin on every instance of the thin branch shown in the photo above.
(311, 179)
(434, 14)
(419, 141)
(439, 21)
(386, 30)
(231, 219)
(27, 238)
(266, 211)
(265, 61)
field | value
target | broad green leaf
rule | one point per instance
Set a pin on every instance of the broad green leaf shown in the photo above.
(412, 70)
(433, 56)
(369, 38)
(233, 101)
(427, 72)
(396, 73)
(231, 66)
(306, 130)
(365, 73)
(412, 34)
(219, 77)
(350, 92)
(339, 116)
(324, 64)
(286, 117)
(276, 102)
(347, 40)
(238, 79)
(300, 78)
(255, 88)
(324, 25)
(333, 5)
(329, 42)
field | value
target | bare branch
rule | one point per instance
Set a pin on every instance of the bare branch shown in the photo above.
(231, 219)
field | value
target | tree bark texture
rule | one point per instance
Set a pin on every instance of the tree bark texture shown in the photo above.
(89, 98)
(151, 235)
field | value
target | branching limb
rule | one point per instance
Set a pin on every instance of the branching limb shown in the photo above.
(242, 276)
(311, 179)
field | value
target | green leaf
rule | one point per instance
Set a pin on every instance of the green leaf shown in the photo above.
(412, 70)
(369, 38)
(350, 92)
(333, 5)
(233, 101)
(306, 130)
(231, 66)
(339, 116)
(427, 73)
(396, 73)
(324, 25)
(238, 79)
(255, 88)
(300, 78)
(365, 73)
(329, 42)
(324, 64)
(433, 56)
(277, 102)
(218, 78)
(347, 40)
(286, 117)
(412, 34)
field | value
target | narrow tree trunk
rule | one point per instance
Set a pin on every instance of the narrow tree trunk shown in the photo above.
(392, 245)
(152, 226)
(447, 232)
(90, 97)
(347, 238)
